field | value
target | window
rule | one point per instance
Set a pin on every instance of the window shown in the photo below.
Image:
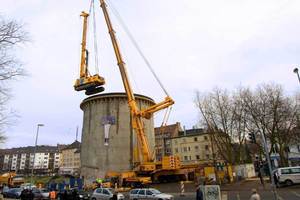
(195, 139)
(205, 137)
(134, 192)
(99, 190)
(106, 192)
(148, 192)
(285, 171)
(295, 170)
(185, 158)
(190, 157)
(197, 157)
(184, 149)
(189, 148)
(206, 147)
(176, 150)
(141, 192)
(207, 156)
(196, 148)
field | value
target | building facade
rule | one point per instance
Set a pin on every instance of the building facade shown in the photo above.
(192, 146)
(292, 153)
(71, 159)
(21, 160)
(162, 139)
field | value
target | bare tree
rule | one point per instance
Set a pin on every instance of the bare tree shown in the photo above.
(12, 35)
(231, 116)
(223, 114)
(272, 113)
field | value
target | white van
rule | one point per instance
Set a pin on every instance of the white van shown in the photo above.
(288, 175)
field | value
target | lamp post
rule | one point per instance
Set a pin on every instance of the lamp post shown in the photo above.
(35, 146)
(296, 71)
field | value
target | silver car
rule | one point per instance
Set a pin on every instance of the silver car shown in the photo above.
(149, 193)
(105, 194)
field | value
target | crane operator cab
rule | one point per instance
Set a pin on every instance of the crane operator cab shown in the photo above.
(92, 84)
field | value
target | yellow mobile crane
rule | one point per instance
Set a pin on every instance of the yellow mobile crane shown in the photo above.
(147, 163)
(91, 84)
(147, 167)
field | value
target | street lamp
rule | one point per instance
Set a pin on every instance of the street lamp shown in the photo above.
(35, 146)
(296, 71)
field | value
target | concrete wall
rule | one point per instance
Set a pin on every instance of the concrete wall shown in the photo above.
(98, 159)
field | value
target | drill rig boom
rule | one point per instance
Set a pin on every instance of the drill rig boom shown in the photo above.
(91, 84)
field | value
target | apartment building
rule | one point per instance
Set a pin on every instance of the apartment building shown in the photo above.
(162, 139)
(70, 159)
(22, 160)
(192, 146)
(292, 153)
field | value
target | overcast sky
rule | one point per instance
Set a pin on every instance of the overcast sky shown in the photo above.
(192, 45)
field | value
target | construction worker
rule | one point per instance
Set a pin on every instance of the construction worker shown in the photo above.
(52, 195)
(99, 182)
(255, 195)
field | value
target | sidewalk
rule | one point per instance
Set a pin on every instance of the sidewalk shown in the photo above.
(247, 185)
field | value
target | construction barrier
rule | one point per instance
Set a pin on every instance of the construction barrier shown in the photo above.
(181, 188)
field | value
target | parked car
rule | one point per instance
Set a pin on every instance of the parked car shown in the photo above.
(40, 194)
(105, 194)
(13, 193)
(82, 195)
(287, 175)
(149, 193)
(69, 195)
(45, 193)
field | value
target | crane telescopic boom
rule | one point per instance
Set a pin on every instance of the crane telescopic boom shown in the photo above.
(147, 163)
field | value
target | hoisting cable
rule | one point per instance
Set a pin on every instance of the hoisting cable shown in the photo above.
(119, 18)
(166, 116)
(92, 11)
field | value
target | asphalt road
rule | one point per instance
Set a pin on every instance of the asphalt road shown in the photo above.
(236, 191)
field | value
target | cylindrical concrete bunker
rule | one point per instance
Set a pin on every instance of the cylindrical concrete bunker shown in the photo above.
(108, 140)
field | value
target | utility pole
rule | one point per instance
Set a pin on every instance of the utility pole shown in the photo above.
(273, 186)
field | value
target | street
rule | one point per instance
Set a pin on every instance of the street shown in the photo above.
(237, 191)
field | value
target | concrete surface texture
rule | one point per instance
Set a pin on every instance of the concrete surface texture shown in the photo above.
(114, 152)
